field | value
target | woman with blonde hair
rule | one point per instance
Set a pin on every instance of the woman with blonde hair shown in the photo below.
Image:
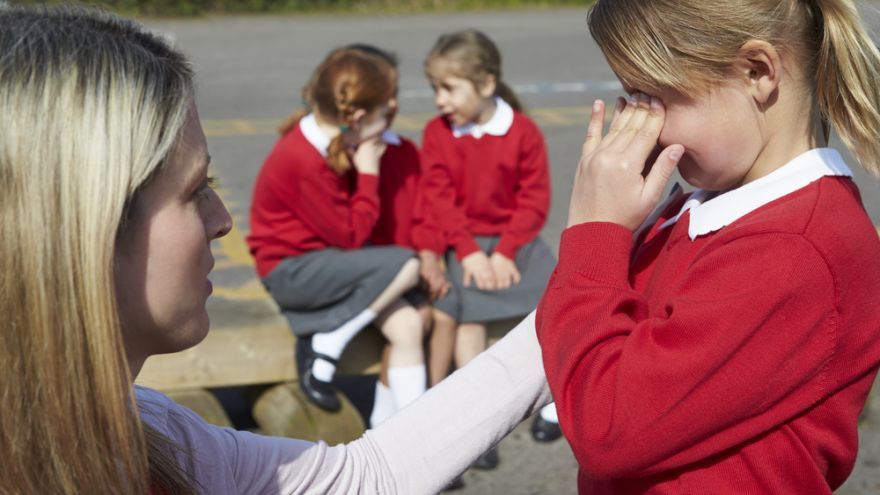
(106, 215)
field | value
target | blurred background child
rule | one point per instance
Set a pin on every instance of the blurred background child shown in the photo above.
(486, 184)
(329, 205)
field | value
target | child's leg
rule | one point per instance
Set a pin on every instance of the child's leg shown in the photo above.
(383, 401)
(402, 326)
(332, 343)
(441, 346)
(470, 340)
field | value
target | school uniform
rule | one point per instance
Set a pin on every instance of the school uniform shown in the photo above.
(729, 349)
(320, 239)
(487, 187)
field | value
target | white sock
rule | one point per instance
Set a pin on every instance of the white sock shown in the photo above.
(548, 413)
(332, 343)
(323, 370)
(407, 383)
(383, 405)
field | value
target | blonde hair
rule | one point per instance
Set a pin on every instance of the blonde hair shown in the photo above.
(471, 55)
(688, 46)
(349, 79)
(90, 105)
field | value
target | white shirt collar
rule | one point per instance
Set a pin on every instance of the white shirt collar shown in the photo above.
(709, 215)
(316, 137)
(498, 125)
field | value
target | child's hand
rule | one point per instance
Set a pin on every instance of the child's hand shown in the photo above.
(505, 270)
(609, 185)
(432, 275)
(368, 154)
(477, 269)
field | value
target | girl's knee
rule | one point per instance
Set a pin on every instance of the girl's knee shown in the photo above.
(404, 327)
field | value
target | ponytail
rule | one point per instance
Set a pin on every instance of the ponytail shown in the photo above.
(505, 92)
(848, 79)
(337, 155)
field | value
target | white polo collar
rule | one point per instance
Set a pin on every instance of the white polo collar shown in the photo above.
(316, 137)
(709, 214)
(498, 125)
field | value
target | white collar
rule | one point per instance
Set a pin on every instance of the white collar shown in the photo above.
(316, 137)
(498, 125)
(709, 215)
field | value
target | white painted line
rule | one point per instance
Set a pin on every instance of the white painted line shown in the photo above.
(532, 89)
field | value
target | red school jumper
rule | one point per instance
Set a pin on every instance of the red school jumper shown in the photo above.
(729, 352)
(495, 185)
(300, 205)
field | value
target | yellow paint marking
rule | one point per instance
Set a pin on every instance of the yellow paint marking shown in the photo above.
(252, 290)
(234, 247)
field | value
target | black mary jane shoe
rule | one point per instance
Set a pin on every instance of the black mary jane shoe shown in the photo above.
(321, 393)
(545, 431)
(489, 460)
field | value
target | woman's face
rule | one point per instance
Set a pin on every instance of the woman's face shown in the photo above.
(164, 256)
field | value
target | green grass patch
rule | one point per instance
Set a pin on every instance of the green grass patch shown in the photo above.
(186, 8)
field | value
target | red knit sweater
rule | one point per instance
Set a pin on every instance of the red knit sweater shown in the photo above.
(494, 185)
(734, 363)
(300, 205)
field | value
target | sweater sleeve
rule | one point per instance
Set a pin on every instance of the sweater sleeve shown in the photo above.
(339, 219)
(738, 349)
(440, 193)
(532, 195)
(419, 450)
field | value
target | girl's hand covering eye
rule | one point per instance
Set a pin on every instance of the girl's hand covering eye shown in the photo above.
(609, 184)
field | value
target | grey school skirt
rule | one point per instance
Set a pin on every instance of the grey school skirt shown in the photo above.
(535, 262)
(320, 290)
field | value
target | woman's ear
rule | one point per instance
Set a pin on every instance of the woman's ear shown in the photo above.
(759, 62)
(487, 88)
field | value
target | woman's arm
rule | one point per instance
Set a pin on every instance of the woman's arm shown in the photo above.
(417, 451)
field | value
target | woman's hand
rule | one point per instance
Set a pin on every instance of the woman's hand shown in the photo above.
(431, 273)
(506, 273)
(477, 269)
(368, 155)
(609, 185)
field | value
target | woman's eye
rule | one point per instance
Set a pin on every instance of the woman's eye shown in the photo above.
(207, 187)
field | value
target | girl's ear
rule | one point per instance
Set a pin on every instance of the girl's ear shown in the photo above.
(488, 87)
(760, 64)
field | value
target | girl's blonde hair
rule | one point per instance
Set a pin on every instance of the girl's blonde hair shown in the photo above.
(689, 45)
(471, 55)
(349, 79)
(90, 106)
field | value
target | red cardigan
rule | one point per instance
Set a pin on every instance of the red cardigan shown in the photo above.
(300, 205)
(734, 363)
(495, 185)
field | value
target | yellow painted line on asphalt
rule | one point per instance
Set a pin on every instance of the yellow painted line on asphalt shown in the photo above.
(545, 117)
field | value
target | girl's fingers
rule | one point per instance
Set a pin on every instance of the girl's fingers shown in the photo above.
(660, 173)
(634, 126)
(619, 122)
(644, 140)
(594, 128)
(468, 277)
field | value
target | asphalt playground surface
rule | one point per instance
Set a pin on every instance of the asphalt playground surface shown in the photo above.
(251, 70)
